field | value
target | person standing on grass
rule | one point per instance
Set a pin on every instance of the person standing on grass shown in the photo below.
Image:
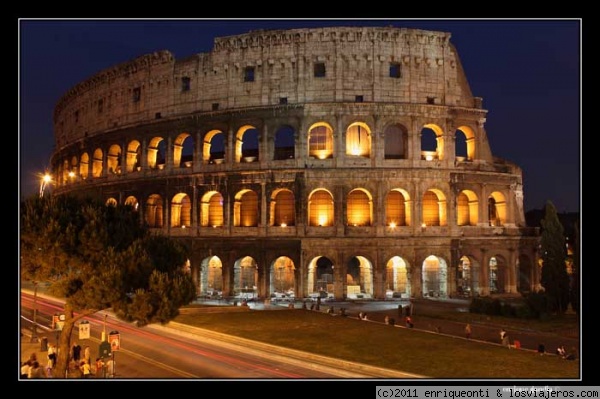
(468, 331)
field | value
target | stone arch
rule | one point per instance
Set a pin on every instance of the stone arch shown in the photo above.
(359, 208)
(111, 201)
(320, 208)
(358, 140)
(467, 208)
(432, 142)
(84, 165)
(132, 202)
(359, 278)
(245, 209)
(183, 150)
(134, 156)
(97, 159)
(154, 211)
(211, 277)
(397, 208)
(320, 277)
(434, 208)
(464, 143)
(282, 208)
(284, 143)
(156, 156)
(282, 278)
(435, 281)
(245, 278)
(320, 141)
(396, 142)
(181, 211)
(397, 278)
(247, 144)
(113, 159)
(213, 147)
(211, 209)
(497, 274)
(497, 209)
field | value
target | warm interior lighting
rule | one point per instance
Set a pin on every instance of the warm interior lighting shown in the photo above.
(429, 157)
(322, 220)
(393, 225)
(283, 225)
(71, 174)
(423, 225)
(355, 151)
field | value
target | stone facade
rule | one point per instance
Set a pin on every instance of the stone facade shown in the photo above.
(352, 162)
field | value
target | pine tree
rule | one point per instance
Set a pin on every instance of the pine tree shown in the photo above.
(99, 257)
(555, 279)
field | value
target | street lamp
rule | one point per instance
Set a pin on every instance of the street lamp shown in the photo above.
(46, 179)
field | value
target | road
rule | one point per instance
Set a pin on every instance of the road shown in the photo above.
(159, 353)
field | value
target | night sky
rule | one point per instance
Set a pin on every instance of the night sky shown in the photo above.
(528, 73)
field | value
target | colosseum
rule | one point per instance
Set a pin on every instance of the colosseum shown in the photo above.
(346, 162)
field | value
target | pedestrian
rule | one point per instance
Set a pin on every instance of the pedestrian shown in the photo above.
(468, 331)
(25, 369)
(505, 338)
(36, 371)
(76, 352)
(99, 368)
(386, 319)
(87, 355)
(541, 348)
(85, 369)
(409, 322)
(110, 368)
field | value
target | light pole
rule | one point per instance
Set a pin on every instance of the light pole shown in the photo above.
(34, 337)
(46, 179)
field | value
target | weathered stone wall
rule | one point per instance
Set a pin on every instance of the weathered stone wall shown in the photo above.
(108, 112)
(357, 63)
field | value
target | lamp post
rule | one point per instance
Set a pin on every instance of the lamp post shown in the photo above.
(34, 337)
(46, 179)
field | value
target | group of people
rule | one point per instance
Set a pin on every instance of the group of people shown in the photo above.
(79, 366)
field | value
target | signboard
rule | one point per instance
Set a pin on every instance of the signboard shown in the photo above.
(84, 330)
(114, 338)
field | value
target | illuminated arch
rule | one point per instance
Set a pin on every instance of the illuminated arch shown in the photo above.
(320, 208)
(113, 159)
(84, 165)
(282, 208)
(97, 162)
(432, 142)
(133, 157)
(434, 208)
(397, 208)
(359, 208)
(435, 272)
(211, 209)
(320, 141)
(358, 140)
(497, 209)
(213, 147)
(397, 282)
(183, 150)
(467, 208)
(181, 211)
(156, 156)
(154, 211)
(245, 209)
(282, 278)
(247, 144)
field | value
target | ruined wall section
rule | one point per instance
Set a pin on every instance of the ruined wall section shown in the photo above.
(282, 64)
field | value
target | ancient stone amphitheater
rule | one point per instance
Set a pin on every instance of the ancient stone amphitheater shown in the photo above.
(337, 162)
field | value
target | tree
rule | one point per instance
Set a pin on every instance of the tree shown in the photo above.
(554, 279)
(576, 277)
(99, 257)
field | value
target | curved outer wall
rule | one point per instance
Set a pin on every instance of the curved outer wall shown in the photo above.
(326, 89)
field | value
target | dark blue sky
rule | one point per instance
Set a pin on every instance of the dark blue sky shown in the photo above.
(528, 73)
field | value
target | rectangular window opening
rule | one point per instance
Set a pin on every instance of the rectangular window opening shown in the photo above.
(319, 69)
(185, 83)
(395, 71)
(249, 74)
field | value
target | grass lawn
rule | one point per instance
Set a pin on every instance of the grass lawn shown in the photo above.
(412, 351)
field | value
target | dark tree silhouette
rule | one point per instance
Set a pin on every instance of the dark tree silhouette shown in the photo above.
(555, 279)
(99, 257)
